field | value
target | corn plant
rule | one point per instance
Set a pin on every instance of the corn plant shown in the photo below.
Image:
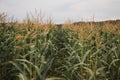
(72, 52)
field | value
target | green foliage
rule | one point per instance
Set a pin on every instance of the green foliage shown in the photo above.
(7, 42)
(57, 54)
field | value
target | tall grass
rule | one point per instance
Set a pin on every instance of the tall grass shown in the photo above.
(37, 51)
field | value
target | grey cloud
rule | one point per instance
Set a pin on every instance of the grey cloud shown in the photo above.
(61, 10)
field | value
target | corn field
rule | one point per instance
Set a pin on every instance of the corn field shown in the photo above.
(35, 51)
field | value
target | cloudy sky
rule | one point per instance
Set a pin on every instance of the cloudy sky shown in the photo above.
(62, 10)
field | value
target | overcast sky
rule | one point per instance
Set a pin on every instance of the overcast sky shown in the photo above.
(62, 10)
